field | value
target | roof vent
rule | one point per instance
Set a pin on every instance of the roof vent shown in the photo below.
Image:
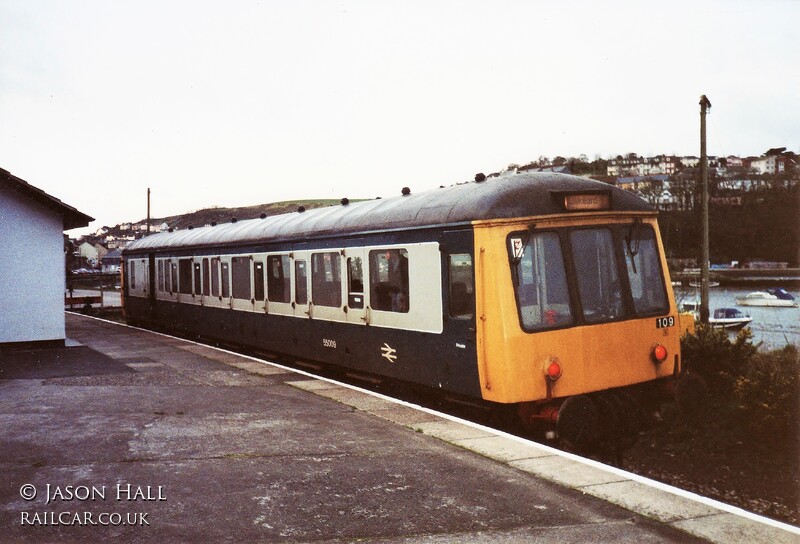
(234, 220)
(479, 177)
(191, 227)
(406, 191)
(345, 201)
(213, 223)
(263, 215)
(170, 229)
(301, 209)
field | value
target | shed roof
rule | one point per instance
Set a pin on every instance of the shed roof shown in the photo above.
(72, 218)
(520, 195)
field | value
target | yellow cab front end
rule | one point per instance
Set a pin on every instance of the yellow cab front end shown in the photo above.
(570, 305)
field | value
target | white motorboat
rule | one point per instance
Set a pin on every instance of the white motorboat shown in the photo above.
(777, 298)
(729, 318)
(726, 318)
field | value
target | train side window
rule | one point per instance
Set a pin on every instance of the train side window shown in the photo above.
(279, 278)
(326, 279)
(300, 282)
(161, 276)
(598, 278)
(240, 278)
(197, 279)
(388, 284)
(185, 276)
(462, 290)
(132, 274)
(541, 284)
(226, 279)
(206, 277)
(173, 277)
(215, 276)
(644, 271)
(258, 280)
(168, 277)
(355, 283)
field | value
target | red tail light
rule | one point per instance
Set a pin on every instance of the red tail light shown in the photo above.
(659, 353)
(553, 369)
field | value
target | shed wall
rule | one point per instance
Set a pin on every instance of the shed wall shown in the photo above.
(31, 271)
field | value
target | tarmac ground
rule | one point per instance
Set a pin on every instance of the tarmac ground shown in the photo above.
(135, 436)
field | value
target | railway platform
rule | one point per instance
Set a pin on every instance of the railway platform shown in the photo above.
(128, 434)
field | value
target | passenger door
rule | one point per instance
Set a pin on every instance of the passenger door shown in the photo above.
(327, 298)
(151, 282)
(279, 284)
(301, 283)
(355, 272)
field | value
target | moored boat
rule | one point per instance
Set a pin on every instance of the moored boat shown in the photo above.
(777, 298)
(726, 318)
(729, 318)
(698, 284)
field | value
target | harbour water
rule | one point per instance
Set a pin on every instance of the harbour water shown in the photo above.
(774, 328)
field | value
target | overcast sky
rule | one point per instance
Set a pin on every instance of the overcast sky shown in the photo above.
(246, 102)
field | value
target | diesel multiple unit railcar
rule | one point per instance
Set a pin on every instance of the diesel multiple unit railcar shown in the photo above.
(545, 292)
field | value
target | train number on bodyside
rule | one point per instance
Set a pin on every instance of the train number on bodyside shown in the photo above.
(664, 322)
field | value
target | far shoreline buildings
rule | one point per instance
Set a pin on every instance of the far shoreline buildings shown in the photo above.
(663, 180)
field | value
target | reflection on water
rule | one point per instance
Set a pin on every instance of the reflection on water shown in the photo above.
(773, 327)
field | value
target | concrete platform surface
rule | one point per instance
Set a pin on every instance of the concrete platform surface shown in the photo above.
(132, 436)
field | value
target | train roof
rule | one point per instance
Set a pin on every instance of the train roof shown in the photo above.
(504, 197)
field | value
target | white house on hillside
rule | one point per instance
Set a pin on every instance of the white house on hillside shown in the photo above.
(32, 282)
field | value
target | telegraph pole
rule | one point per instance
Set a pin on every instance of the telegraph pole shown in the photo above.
(705, 105)
(148, 210)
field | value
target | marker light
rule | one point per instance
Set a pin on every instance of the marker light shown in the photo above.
(659, 353)
(553, 369)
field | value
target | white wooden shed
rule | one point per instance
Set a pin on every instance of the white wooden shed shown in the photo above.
(32, 276)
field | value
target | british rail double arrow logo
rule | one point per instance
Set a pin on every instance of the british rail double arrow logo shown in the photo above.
(389, 353)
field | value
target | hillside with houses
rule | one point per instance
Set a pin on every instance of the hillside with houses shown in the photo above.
(754, 206)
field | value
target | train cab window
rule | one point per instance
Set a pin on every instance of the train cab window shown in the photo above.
(300, 282)
(173, 277)
(197, 279)
(355, 283)
(278, 281)
(388, 282)
(326, 279)
(161, 276)
(644, 270)
(541, 282)
(598, 279)
(206, 278)
(240, 278)
(258, 280)
(226, 279)
(462, 291)
(185, 276)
